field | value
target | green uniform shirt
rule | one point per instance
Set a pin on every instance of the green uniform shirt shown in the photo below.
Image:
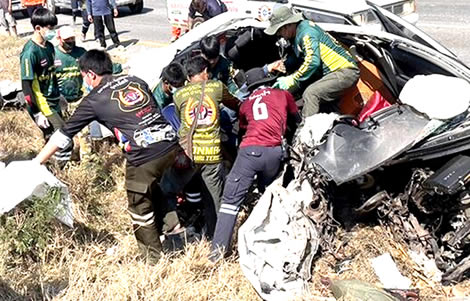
(68, 73)
(37, 65)
(320, 52)
(206, 138)
(161, 97)
(221, 71)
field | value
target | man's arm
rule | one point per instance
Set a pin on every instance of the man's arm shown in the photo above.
(229, 100)
(311, 63)
(62, 138)
(89, 10)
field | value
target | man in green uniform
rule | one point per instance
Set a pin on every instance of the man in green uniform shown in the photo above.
(206, 153)
(38, 79)
(327, 69)
(66, 62)
(172, 78)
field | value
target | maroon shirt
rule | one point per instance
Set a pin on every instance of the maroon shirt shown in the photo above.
(264, 116)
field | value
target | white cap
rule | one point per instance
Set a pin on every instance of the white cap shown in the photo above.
(65, 32)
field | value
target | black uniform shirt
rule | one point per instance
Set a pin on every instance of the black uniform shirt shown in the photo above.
(126, 106)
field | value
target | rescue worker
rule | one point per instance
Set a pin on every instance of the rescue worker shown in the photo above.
(174, 77)
(125, 105)
(206, 8)
(220, 69)
(68, 74)
(219, 66)
(204, 137)
(39, 81)
(264, 117)
(327, 69)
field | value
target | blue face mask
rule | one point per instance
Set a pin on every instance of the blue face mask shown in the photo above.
(87, 87)
(49, 35)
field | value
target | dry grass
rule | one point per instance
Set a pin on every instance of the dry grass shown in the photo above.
(99, 260)
(10, 57)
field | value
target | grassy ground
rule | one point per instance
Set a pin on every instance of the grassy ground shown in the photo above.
(99, 260)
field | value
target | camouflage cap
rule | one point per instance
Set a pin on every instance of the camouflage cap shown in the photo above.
(281, 16)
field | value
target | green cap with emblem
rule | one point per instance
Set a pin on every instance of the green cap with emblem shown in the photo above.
(281, 16)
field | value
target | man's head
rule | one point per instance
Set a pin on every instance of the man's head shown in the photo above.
(283, 22)
(173, 77)
(196, 69)
(210, 49)
(43, 20)
(66, 36)
(255, 77)
(94, 64)
(200, 5)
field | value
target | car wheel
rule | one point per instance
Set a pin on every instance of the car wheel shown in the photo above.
(137, 7)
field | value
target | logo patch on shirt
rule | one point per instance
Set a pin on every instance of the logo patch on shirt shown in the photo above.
(43, 62)
(57, 63)
(130, 98)
(207, 115)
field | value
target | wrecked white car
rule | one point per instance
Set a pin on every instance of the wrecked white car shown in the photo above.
(403, 164)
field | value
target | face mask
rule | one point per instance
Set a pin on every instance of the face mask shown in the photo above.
(87, 86)
(173, 90)
(49, 34)
(68, 46)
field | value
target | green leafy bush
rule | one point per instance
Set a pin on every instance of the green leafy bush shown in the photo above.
(29, 228)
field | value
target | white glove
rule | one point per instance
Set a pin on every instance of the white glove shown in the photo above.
(41, 120)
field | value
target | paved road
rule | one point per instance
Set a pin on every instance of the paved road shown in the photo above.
(445, 21)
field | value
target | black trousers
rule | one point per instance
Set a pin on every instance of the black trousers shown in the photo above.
(99, 28)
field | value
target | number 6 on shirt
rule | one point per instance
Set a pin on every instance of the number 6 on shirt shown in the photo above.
(260, 110)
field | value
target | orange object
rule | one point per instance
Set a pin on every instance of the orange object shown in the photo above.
(370, 81)
(27, 3)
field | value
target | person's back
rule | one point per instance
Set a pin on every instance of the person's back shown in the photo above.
(332, 56)
(124, 105)
(264, 116)
(206, 138)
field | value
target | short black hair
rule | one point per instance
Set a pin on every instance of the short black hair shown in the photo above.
(196, 65)
(210, 47)
(43, 17)
(97, 61)
(174, 74)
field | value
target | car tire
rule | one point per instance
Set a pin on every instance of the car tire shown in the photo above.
(137, 7)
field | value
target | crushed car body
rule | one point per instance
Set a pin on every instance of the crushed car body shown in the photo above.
(396, 165)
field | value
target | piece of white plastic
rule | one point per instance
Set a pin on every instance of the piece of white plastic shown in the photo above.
(278, 241)
(438, 96)
(21, 180)
(315, 127)
(388, 273)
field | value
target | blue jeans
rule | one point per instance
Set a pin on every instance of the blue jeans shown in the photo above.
(262, 161)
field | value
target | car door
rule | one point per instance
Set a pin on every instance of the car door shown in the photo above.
(393, 24)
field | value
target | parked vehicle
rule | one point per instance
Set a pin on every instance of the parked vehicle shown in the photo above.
(355, 12)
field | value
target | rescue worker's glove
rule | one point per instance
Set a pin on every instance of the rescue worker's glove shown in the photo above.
(285, 83)
(41, 120)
